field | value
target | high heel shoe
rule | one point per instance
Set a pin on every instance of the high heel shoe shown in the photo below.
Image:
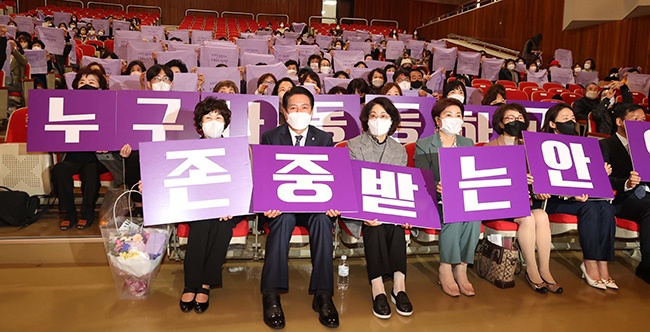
(610, 283)
(449, 290)
(187, 306)
(538, 288)
(201, 307)
(554, 288)
(593, 283)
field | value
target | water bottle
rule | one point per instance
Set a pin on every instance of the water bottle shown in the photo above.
(344, 274)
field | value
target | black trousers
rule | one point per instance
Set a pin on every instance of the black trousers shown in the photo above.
(132, 173)
(275, 274)
(89, 172)
(638, 210)
(207, 245)
(596, 225)
(385, 250)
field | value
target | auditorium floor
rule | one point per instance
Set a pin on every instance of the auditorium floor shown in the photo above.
(82, 298)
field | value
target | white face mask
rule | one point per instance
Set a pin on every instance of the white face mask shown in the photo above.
(458, 97)
(36, 47)
(533, 69)
(135, 73)
(325, 69)
(213, 129)
(161, 86)
(591, 94)
(379, 127)
(314, 66)
(405, 85)
(377, 82)
(24, 45)
(452, 126)
(577, 70)
(511, 67)
(338, 47)
(292, 72)
(298, 120)
(587, 66)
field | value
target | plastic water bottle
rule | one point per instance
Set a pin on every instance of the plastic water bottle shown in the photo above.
(344, 274)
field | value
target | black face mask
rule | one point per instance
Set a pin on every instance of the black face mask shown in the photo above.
(416, 84)
(567, 127)
(514, 128)
(87, 87)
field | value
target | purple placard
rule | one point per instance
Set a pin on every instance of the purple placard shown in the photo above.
(298, 27)
(124, 82)
(372, 64)
(331, 82)
(490, 68)
(437, 43)
(183, 35)
(638, 136)
(122, 38)
(477, 119)
(185, 82)
(394, 194)
(213, 76)
(213, 56)
(53, 38)
(302, 179)
(25, 24)
(195, 179)
(37, 61)
(404, 36)
(566, 165)
(416, 47)
(394, 49)
(111, 66)
(4, 19)
(201, 36)
(253, 73)
(477, 186)
(142, 51)
(102, 24)
(346, 59)
(285, 42)
(360, 46)
(252, 115)
(584, 78)
(119, 25)
(253, 59)
(468, 63)
(538, 77)
(639, 82)
(179, 46)
(304, 51)
(146, 116)
(444, 58)
(563, 76)
(285, 53)
(338, 115)
(323, 41)
(360, 73)
(61, 17)
(564, 57)
(148, 32)
(254, 46)
(188, 57)
(437, 82)
(68, 123)
(416, 117)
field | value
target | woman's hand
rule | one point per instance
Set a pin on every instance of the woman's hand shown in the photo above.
(633, 180)
(542, 197)
(529, 178)
(407, 226)
(439, 188)
(272, 213)
(126, 150)
(583, 198)
(332, 213)
(608, 169)
(225, 218)
(262, 88)
(372, 223)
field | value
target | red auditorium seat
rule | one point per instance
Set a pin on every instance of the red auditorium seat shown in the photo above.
(540, 95)
(551, 100)
(575, 88)
(592, 129)
(410, 154)
(17, 126)
(530, 89)
(570, 97)
(516, 95)
(503, 227)
(239, 232)
(562, 223)
(556, 91)
(550, 85)
(507, 83)
(638, 97)
(626, 229)
(523, 85)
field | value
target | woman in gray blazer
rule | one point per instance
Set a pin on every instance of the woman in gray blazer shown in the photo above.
(384, 244)
(457, 240)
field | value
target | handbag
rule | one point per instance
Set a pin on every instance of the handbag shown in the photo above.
(17, 208)
(497, 264)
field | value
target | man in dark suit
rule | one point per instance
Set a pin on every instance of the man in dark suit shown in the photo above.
(298, 106)
(632, 199)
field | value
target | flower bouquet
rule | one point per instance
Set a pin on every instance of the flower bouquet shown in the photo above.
(134, 254)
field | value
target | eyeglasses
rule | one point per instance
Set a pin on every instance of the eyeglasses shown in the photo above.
(299, 108)
(161, 79)
(511, 118)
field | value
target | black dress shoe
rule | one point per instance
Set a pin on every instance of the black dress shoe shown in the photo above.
(187, 306)
(201, 307)
(402, 303)
(273, 314)
(380, 307)
(643, 273)
(326, 310)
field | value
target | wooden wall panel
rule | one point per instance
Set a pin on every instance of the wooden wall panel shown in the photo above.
(511, 22)
(409, 13)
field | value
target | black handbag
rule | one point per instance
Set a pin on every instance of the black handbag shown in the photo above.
(17, 208)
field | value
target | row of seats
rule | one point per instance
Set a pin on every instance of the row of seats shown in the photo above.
(146, 18)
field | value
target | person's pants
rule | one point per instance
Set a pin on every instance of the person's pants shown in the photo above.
(638, 210)
(64, 185)
(458, 242)
(207, 245)
(596, 226)
(275, 274)
(385, 250)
